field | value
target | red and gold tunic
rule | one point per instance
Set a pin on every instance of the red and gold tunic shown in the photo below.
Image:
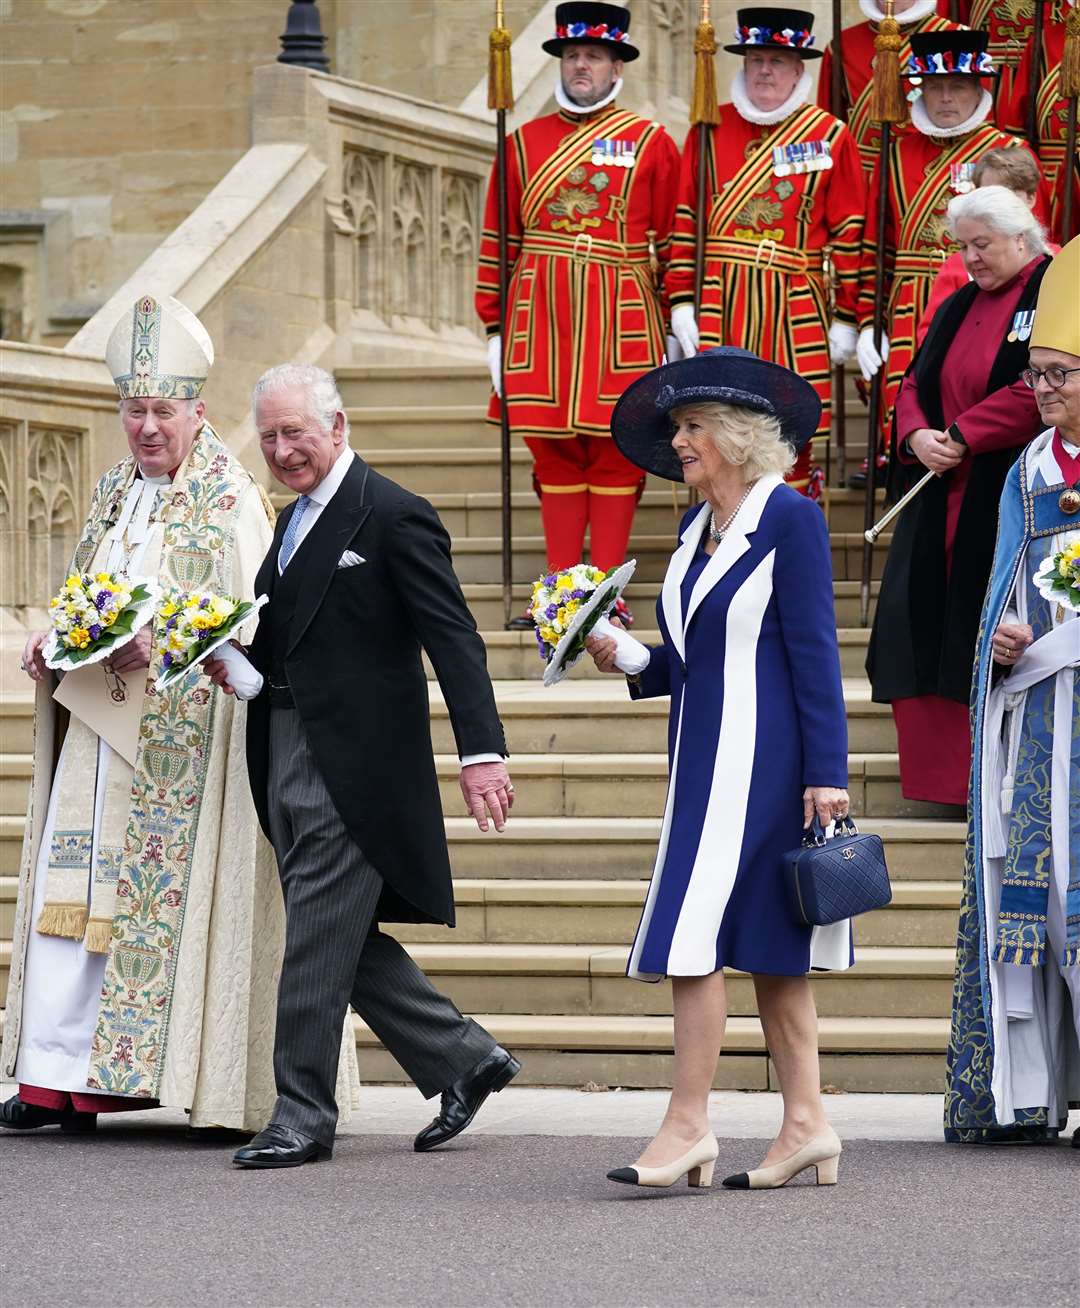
(857, 46)
(768, 237)
(1051, 116)
(1009, 24)
(923, 176)
(585, 313)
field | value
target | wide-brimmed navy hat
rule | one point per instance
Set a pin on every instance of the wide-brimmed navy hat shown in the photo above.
(641, 424)
(589, 23)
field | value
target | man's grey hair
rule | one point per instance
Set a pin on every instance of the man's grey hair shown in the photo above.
(1002, 210)
(324, 400)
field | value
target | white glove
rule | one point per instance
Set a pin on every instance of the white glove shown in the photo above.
(631, 656)
(244, 678)
(685, 329)
(494, 348)
(672, 350)
(842, 337)
(869, 359)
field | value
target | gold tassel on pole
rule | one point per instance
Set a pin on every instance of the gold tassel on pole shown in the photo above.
(500, 82)
(1069, 73)
(887, 105)
(703, 105)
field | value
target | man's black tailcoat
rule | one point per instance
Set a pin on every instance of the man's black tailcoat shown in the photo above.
(350, 639)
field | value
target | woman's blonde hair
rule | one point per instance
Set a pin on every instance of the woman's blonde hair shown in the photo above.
(746, 438)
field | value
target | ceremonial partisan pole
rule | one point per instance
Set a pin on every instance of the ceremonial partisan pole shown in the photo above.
(501, 98)
(887, 107)
(704, 115)
(839, 110)
(1069, 89)
(1031, 124)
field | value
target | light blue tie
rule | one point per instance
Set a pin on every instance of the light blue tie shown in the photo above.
(292, 531)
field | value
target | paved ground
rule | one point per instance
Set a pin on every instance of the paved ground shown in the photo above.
(519, 1213)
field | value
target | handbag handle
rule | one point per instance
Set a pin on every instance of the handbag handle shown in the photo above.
(814, 836)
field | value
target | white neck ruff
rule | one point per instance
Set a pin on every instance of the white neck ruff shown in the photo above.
(581, 110)
(921, 121)
(740, 98)
(919, 10)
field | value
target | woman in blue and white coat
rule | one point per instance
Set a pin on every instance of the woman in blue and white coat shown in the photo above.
(757, 743)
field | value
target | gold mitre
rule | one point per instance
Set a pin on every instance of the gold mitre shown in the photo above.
(1057, 313)
(159, 350)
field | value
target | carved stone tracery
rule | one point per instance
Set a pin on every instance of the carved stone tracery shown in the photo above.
(41, 473)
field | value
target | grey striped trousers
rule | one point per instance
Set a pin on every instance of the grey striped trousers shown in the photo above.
(335, 955)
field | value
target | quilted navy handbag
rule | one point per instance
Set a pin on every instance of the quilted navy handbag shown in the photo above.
(835, 878)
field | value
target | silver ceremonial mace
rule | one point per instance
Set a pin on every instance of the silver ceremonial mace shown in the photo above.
(872, 533)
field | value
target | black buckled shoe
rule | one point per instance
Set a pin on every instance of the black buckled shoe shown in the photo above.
(280, 1146)
(17, 1116)
(462, 1101)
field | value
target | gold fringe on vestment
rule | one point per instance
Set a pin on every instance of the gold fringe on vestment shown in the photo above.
(98, 935)
(67, 920)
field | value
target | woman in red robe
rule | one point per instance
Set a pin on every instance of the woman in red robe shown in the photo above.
(963, 413)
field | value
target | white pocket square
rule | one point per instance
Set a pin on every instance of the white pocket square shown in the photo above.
(350, 560)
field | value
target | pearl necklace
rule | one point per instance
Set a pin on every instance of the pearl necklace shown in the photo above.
(717, 533)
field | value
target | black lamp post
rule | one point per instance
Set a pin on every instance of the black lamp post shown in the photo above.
(303, 43)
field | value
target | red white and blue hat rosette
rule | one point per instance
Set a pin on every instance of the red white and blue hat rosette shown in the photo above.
(593, 24)
(769, 28)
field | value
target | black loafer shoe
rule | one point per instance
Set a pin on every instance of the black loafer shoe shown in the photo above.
(17, 1116)
(462, 1101)
(280, 1146)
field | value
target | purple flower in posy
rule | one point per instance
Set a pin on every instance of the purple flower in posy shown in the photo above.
(204, 602)
(170, 623)
(551, 612)
(166, 660)
(577, 594)
(550, 580)
(95, 630)
(102, 599)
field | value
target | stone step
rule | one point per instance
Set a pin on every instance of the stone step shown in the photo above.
(465, 383)
(485, 601)
(514, 655)
(479, 558)
(581, 980)
(431, 427)
(584, 716)
(590, 979)
(479, 513)
(916, 849)
(635, 785)
(533, 912)
(858, 1054)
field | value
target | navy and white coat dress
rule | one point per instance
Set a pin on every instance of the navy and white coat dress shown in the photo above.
(751, 663)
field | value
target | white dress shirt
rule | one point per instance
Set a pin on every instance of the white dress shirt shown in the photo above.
(318, 499)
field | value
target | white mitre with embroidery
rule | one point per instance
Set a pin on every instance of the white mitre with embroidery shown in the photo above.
(159, 350)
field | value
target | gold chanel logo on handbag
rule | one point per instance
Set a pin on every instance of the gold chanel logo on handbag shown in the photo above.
(849, 852)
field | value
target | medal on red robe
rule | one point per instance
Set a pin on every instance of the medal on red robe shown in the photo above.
(1069, 499)
(961, 178)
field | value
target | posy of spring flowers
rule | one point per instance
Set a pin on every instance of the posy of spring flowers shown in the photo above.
(91, 613)
(1058, 577)
(556, 598)
(192, 625)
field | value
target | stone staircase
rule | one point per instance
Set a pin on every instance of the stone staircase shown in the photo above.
(546, 911)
